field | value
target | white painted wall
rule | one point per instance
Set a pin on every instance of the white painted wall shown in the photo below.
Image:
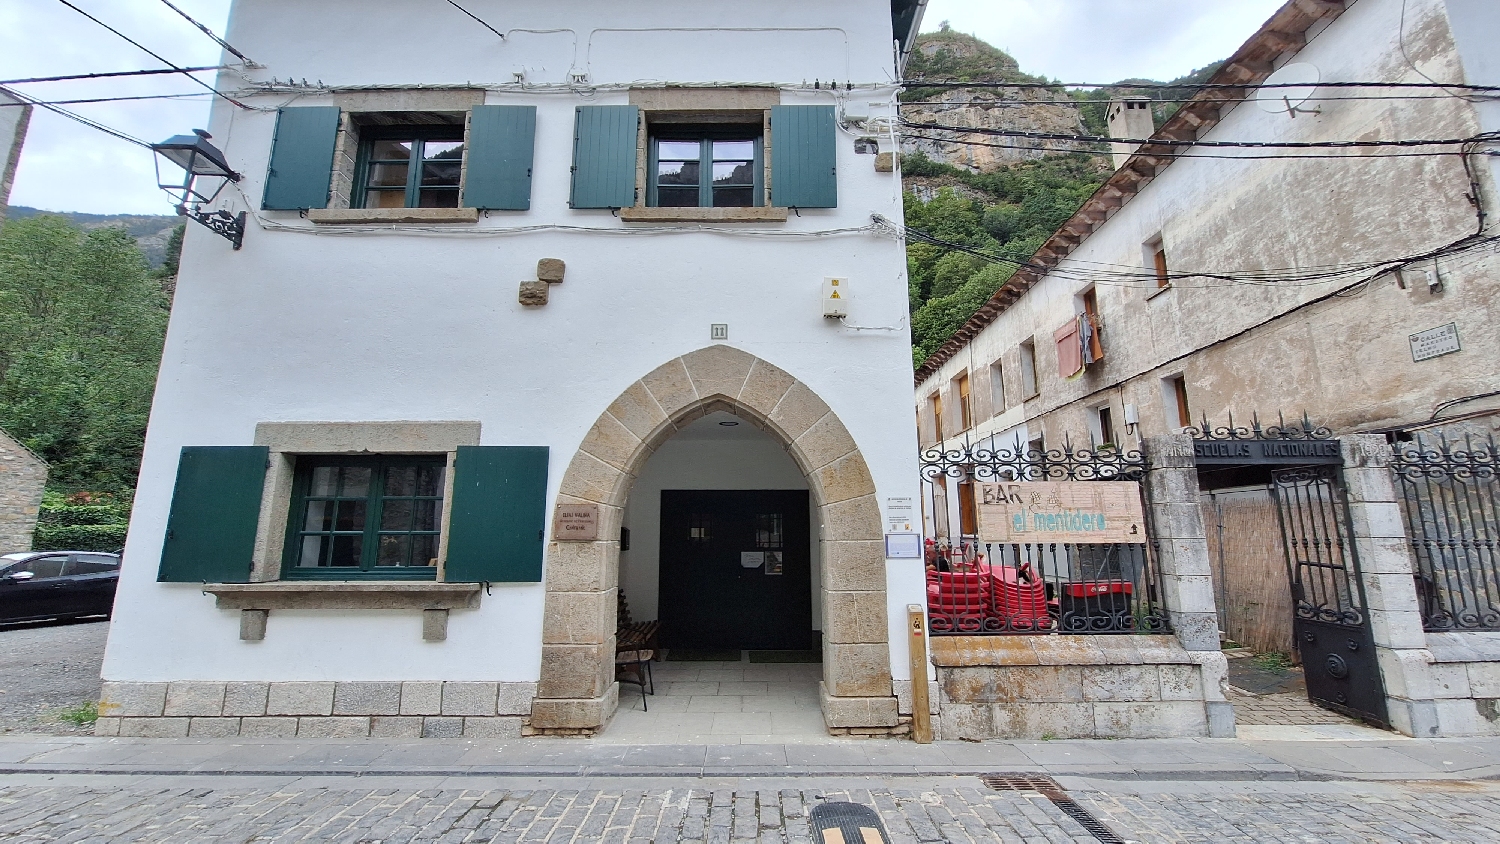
(705, 455)
(398, 323)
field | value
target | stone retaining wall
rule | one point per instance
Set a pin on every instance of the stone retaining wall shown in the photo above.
(23, 475)
(1043, 687)
(315, 709)
(1466, 682)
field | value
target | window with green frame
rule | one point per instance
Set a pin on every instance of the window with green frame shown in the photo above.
(706, 167)
(409, 167)
(354, 517)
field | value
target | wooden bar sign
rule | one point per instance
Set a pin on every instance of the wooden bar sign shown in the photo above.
(1062, 511)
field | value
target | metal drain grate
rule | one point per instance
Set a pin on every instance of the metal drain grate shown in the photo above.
(1048, 788)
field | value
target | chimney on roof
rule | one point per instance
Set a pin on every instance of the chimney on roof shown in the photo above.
(1129, 117)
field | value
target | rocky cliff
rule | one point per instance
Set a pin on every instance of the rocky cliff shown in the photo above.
(948, 56)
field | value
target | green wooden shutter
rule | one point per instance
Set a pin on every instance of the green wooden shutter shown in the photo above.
(301, 158)
(804, 155)
(604, 141)
(215, 510)
(499, 514)
(498, 169)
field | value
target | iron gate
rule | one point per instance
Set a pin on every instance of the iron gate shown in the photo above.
(1330, 626)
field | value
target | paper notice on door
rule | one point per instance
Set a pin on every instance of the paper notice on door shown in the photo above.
(752, 559)
(774, 563)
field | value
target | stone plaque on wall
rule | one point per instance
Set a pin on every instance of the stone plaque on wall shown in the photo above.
(1061, 511)
(576, 523)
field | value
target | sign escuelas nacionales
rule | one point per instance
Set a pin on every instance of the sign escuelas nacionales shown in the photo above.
(1062, 511)
(1284, 452)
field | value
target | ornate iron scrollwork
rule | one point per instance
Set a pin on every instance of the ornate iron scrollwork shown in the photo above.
(231, 227)
(1282, 430)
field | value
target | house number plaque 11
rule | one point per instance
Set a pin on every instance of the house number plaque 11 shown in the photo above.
(576, 523)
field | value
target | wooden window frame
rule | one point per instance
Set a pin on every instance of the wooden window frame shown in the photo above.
(1090, 299)
(1180, 400)
(421, 134)
(935, 401)
(705, 136)
(1106, 426)
(961, 389)
(1031, 386)
(372, 531)
(968, 510)
(997, 388)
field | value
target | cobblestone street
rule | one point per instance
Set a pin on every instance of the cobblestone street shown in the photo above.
(955, 809)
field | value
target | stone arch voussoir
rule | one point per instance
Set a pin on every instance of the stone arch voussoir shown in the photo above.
(576, 690)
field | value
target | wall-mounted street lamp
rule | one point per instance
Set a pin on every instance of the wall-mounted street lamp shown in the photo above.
(200, 159)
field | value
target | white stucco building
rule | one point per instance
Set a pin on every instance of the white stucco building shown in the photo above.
(575, 268)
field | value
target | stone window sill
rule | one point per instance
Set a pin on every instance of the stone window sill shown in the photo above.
(1158, 291)
(344, 216)
(703, 215)
(346, 595)
(256, 600)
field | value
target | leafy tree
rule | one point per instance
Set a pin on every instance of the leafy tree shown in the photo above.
(82, 323)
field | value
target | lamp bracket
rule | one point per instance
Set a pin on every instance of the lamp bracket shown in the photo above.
(222, 223)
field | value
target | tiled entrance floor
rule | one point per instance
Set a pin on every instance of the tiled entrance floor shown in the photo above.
(723, 703)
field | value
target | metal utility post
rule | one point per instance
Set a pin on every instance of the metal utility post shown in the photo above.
(921, 709)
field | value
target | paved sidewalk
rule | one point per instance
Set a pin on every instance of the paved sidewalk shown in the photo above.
(1158, 759)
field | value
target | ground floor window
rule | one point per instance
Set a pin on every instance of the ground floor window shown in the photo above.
(376, 517)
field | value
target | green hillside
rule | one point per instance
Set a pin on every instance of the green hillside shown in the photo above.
(1008, 211)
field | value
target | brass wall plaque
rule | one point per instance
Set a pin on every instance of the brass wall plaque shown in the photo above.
(576, 523)
(1062, 511)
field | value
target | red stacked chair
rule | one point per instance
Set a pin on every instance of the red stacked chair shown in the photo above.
(1020, 598)
(958, 601)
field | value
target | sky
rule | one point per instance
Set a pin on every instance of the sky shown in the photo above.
(66, 166)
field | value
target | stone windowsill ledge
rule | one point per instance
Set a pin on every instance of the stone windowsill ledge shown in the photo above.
(969, 651)
(345, 216)
(703, 215)
(345, 595)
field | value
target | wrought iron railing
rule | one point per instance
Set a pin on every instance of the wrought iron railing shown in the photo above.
(978, 586)
(1282, 430)
(1451, 498)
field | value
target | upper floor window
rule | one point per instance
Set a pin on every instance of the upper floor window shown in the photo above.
(706, 168)
(410, 167)
(354, 516)
(965, 411)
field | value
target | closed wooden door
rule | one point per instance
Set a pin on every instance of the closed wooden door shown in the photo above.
(735, 570)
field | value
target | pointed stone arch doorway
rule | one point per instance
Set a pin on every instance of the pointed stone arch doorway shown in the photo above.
(577, 690)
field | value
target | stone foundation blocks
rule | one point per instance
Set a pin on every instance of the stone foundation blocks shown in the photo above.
(133, 699)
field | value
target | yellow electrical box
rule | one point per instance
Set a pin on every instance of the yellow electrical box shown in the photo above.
(835, 297)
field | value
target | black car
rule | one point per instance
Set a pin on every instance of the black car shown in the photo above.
(57, 584)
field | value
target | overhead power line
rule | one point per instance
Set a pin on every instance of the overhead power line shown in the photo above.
(210, 33)
(92, 124)
(143, 48)
(1192, 86)
(476, 18)
(111, 99)
(1100, 139)
(113, 73)
(1291, 156)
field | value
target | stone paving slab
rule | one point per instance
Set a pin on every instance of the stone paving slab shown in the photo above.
(914, 811)
(1163, 759)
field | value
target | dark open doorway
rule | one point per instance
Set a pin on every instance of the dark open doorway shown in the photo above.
(735, 570)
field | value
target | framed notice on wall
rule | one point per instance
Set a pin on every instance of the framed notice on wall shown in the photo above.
(1062, 511)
